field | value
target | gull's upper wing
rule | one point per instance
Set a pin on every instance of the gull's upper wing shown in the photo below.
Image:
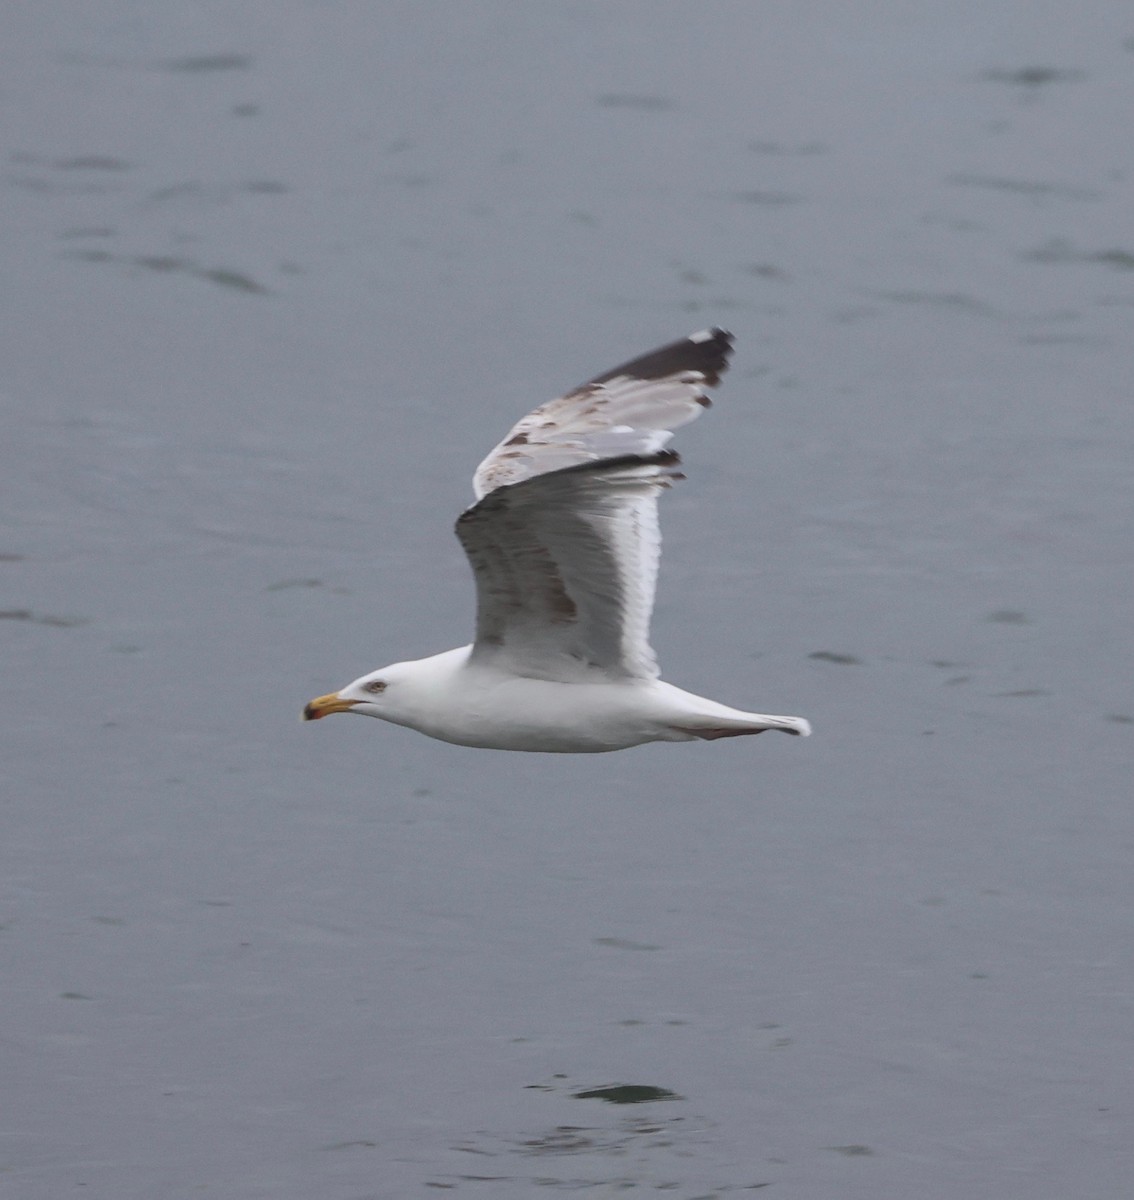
(564, 539)
(633, 409)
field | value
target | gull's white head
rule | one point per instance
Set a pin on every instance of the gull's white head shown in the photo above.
(397, 693)
(373, 695)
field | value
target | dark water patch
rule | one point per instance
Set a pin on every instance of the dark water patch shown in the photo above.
(1024, 693)
(1120, 718)
(1122, 260)
(1008, 616)
(725, 304)
(55, 622)
(236, 280)
(667, 1145)
(575, 1139)
(176, 191)
(1055, 250)
(217, 193)
(624, 944)
(956, 301)
(627, 1093)
(74, 996)
(92, 162)
(197, 64)
(284, 584)
(11, 558)
(1032, 77)
(169, 264)
(766, 271)
(80, 232)
(565, 1139)
(1024, 187)
(1059, 250)
(646, 103)
(544, 1087)
(358, 1143)
(245, 110)
(854, 1150)
(161, 263)
(51, 187)
(844, 660)
(93, 256)
(192, 64)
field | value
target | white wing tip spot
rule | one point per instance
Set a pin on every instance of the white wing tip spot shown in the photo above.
(703, 335)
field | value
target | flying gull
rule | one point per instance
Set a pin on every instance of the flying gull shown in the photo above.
(563, 540)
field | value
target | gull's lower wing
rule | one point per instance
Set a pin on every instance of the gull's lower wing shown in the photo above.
(565, 566)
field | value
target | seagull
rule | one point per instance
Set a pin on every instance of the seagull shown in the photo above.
(563, 541)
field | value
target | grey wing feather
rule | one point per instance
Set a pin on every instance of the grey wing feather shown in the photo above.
(632, 409)
(564, 539)
(566, 565)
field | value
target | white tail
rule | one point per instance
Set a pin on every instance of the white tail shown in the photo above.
(743, 725)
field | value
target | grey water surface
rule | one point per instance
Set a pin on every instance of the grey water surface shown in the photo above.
(274, 277)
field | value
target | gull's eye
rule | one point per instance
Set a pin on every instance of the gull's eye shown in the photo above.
(375, 686)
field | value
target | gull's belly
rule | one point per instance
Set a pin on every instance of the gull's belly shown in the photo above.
(554, 718)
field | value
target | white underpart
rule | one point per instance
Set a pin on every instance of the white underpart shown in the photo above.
(452, 697)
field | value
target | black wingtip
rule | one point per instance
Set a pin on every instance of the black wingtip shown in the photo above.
(667, 459)
(706, 351)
